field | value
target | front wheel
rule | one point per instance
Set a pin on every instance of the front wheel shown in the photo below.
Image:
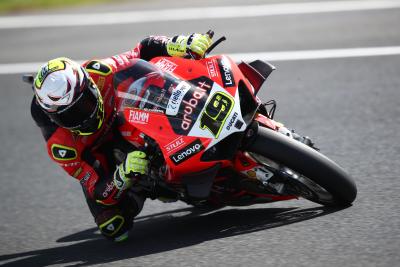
(320, 179)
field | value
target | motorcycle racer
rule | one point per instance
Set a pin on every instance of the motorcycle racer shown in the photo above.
(75, 106)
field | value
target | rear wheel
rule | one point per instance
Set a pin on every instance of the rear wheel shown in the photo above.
(309, 173)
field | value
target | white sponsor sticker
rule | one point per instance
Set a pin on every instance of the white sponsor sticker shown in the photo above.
(174, 145)
(212, 69)
(176, 98)
(136, 116)
(166, 65)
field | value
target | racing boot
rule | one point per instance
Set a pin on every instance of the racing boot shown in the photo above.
(115, 222)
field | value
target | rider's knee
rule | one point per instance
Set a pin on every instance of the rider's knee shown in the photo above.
(114, 222)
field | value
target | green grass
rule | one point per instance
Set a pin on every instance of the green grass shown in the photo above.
(11, 6)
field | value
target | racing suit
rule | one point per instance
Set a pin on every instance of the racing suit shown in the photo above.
(90, 159)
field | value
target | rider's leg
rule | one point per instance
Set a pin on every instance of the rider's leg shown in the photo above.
(115, 221)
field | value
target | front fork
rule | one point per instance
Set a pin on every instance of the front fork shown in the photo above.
(269, 173)
(267, 122)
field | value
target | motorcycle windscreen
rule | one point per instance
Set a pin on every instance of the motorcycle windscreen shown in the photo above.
(144, 86)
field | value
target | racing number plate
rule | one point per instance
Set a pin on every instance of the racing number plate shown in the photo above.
(216, 112)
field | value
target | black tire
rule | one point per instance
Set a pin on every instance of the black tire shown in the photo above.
(307, 162)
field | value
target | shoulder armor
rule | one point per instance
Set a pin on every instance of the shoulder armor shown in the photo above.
(98, 67)
(60, 152)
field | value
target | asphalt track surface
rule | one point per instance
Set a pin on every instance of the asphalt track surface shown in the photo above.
(350, 106)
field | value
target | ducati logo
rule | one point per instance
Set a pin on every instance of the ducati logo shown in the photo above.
(232, 120)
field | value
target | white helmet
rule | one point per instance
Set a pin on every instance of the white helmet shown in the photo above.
(69, 96)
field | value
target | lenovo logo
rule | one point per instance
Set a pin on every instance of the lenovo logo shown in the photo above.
(187, 152)
(226, 72)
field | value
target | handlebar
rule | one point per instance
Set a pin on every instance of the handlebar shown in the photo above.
(210, 33)
(217, 42)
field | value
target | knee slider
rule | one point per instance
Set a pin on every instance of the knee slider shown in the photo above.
(113, 224)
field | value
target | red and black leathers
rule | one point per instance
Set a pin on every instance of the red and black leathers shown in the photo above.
(90, 159)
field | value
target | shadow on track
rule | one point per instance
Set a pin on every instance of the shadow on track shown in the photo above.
(162, 232)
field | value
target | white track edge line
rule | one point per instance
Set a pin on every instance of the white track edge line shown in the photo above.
(26, 67)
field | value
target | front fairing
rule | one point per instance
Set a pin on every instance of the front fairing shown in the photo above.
(187, 117)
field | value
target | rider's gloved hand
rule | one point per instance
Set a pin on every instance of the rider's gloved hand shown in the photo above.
(134, 166)
(196, 43)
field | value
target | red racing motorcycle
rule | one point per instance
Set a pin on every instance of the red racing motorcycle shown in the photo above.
(213, 143)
